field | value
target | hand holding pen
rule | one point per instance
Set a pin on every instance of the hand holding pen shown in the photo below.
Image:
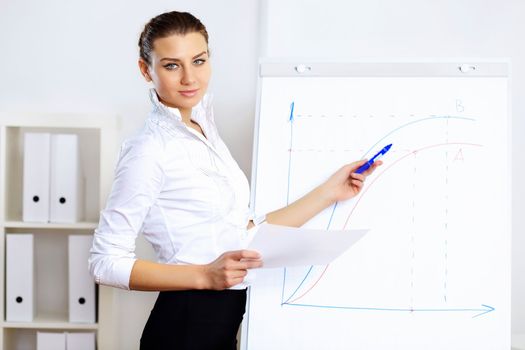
(348, 181)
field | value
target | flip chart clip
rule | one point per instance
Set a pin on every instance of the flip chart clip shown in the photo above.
(301, 68)
(467, 68)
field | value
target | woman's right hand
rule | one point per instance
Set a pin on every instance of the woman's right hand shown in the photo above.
(230, 268)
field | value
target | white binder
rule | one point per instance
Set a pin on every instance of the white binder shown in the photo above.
(20, 303)
(80, 341)
(36, 177)
(50, 341)
(81, 284)
(66, 202)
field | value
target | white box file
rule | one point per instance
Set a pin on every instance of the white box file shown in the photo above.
(36, 177)
(81, 284)
(50, 341)
(20, 301)
(66, 185)
(80, 341)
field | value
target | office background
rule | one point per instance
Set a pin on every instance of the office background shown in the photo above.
(78, 56)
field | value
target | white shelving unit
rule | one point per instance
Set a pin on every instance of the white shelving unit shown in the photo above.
(98, 150)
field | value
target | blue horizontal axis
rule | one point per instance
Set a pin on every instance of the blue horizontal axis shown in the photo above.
(481, 311)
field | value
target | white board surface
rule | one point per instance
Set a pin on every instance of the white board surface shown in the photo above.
(434, 270)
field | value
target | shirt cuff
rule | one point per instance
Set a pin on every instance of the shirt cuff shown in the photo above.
(259, 219)
(115, 273)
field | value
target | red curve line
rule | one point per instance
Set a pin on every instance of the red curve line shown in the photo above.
(366, 190)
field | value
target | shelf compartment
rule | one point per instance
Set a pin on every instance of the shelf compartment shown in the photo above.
(51, 278)
(89, 148)
(16, 338)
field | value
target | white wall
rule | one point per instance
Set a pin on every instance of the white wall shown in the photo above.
(62, 56)
(383, 30)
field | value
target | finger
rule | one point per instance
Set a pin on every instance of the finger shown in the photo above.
(234, 265)
(355, 165)
(238, 274)
(373, 167)
(250, 254)
(356, 176)
(357, 183)
(235, 281)
(234, 255)
(376, 164)
(249, 264)
(243, 254)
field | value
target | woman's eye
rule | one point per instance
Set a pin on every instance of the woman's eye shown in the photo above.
(171, 66)
(199, 61)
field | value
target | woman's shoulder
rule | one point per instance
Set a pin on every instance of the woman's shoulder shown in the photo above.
(145, 142)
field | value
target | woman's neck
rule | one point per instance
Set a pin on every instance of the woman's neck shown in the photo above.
(185, 114)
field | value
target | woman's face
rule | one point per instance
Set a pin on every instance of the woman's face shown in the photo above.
(180, 70)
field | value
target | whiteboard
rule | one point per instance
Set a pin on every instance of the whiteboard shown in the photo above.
(434, 270)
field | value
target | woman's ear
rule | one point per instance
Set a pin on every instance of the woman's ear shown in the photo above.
(144, 70)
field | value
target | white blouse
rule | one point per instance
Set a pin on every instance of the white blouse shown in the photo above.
(183, 191)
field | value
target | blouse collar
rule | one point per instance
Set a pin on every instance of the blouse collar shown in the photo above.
(202, 110)
(202, 113)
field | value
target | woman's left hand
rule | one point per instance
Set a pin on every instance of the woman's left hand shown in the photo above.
(345, 183)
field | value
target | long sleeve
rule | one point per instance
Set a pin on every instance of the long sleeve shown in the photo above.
(182, 191)
(138, 181)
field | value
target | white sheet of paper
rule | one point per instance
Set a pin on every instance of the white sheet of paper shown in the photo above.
(283, 246)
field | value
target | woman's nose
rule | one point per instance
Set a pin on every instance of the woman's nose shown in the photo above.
(188, 76)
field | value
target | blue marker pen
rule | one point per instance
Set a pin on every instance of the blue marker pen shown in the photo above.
(368, 164)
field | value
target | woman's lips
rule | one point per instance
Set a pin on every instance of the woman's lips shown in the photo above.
(189, 93)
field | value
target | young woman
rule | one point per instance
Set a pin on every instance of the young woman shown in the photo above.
(177, 183)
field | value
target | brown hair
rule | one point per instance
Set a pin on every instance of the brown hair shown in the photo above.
(167, 24)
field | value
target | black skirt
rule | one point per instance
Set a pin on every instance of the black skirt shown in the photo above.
(194, 319)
